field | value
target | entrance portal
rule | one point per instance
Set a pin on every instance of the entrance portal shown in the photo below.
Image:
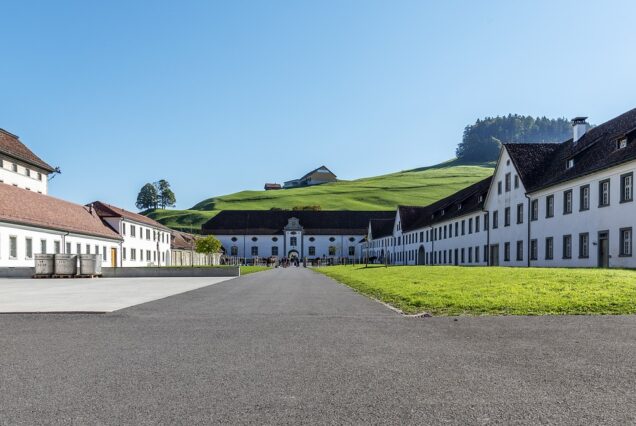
(293, 254)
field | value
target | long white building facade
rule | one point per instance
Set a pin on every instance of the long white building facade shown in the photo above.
(326, 235)
(568, 204)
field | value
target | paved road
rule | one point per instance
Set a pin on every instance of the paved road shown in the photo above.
(290, 346)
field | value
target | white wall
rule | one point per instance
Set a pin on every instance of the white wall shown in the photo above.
(496, 202)
(611, 218)
(156, 244)
(37, 235)
(264, 243)
(36, 182)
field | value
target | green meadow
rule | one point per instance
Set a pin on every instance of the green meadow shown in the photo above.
(452, 290)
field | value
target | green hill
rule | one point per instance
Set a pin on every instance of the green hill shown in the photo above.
(412, 187)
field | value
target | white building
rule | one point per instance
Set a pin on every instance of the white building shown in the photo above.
(294, 234)
(20, 167)
(145, 242)
(562, 205)
(32, 223)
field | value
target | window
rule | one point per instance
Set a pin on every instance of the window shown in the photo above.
(549, 248)
(584, 245)
(519, 250)
(39, 176)
(621, 144)
(470, 255)
(57, 247)
(463, 227)
(584, 203)
(154, 256)
(293, 241)
(567, 246)
(312, 250)
(470, 225)
(549, 206)
(506, 252)
(604, 193)
(68, 248)
(627, 187)
(352, 251)
(520, 213)
(43, 248)
(626, 241)
(332, 251)
(88, 249)
(13, 247)
(463, 257)
(147, 255)
(476, 254)
(456, 229)
(29, 248)
(123, 253)
(534, 250)
(508, 182)
(485, 254)
(148, 234)
(123, 229)
(486, 221)
(507, 216)
(499, 188)
(477, 224)
(274, 250)
(79, 248)
(27, 172)
(570, 163)
(254, 250)
(234, 251)
(534, 210)
(567, 202)
(133, 254)
(104, 253)
(495, 219)
(133, 231)
(14, 167)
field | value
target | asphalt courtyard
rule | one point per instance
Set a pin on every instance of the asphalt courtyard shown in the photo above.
(291, 346)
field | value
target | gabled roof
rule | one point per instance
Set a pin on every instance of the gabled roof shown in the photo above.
(315, 170)
(272, 222)
(25, 207)
(467, 200)
(10, 145)
(542, 165)
(106, 210)
(382, 227)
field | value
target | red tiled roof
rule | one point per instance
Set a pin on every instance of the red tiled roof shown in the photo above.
(182, 241)
(107, 210)
(30, 208)
(11, 146)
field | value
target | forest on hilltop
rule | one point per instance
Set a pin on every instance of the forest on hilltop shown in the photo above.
(481, 141)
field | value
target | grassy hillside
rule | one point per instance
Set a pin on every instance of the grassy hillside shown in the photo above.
(412, 187)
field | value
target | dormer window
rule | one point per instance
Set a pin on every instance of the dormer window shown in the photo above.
(443, 212)
(570, 163)
(459, 206)
(621, 144)
(481, 198)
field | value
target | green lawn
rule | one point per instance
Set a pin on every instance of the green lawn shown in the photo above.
(245, 270)
(413, 187)
(448, 290)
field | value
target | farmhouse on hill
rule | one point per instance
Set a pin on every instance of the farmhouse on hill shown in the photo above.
(315, 177)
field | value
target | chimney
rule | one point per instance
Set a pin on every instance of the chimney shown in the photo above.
(579, 127)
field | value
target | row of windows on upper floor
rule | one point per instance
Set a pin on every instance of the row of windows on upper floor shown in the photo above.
(507, 182)
(151, 255)
(7, 165)
(294, 240)
(311, 251)
(14, 248)
(164, 237)
(446, 231)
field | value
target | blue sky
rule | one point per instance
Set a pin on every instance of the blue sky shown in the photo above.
(217, 97)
